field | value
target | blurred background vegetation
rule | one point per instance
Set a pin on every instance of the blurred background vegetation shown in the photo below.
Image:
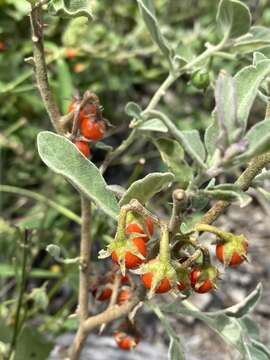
(113, 56)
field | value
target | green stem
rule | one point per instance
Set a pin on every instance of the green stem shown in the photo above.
(164, 250)
(171, 78)
(214, 230)
(18, 325)
(43, 199)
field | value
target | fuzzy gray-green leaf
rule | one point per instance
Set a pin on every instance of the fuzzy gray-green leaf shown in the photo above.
(172, 154)
(233, 17)
(145, 188)
(71, 8)
(62, 156)
(248, 81)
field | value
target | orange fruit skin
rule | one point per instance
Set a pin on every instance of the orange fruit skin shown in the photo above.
(236, 259)
(92, 130)
(126, 342)
(132, 261)
(83, 147)
(105, 294)
(123, 296)
(163, 287)
(206, 286)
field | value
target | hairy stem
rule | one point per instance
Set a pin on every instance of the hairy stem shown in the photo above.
(254, 168)
(85, 251)
(171, 78)
(179, 200)
(41, 68)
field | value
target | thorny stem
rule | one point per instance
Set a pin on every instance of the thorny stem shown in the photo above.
(41, 68)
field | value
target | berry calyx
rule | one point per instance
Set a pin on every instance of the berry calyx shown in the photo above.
(232, 253)
(92, 130)
(83, 147)
(163, 286)
(125, 341)
(132, 261)
(203, 279)
(140, 225)
(183, 281)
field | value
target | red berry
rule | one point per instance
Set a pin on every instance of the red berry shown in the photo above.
(132, 261)
(123, 296)
(236, 258)
(206, 284)
(84, 148)
(93, 130)
(163, 287)
(104, 295)
(134, 228)
(71, 53)
(125, 341)
(2, 46)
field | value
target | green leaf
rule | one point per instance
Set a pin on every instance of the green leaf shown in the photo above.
(148, 13)
(194, 143)
(71, 8)
(257, 38)
(62, 156)
(225, 96)
(233, 17)
(30, 343)
(173, 156)
(145, 188)
(153, 125)
(246, 306)
(175, 348)
(229, 329)
(228, 192)
(65, 86)
(248, 81)
(257, 57)
(210, 139)
(258, 139)
(133, 110)
(259, 179)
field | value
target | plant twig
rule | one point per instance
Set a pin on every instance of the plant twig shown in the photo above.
(244, 181)
(179, 200)
(85, 251)
(18, 324)
(41, 68)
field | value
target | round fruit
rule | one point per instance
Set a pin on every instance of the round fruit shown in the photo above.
(163, 287)
(93, 130)
(131, 260)
(236, 258)
(105, 294)
(71, 53)
(123, 296)
(125, 341)
(206, 284)
(84, 148)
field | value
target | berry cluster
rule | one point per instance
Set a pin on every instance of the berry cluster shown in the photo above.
(182, 265)
(91, 126)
